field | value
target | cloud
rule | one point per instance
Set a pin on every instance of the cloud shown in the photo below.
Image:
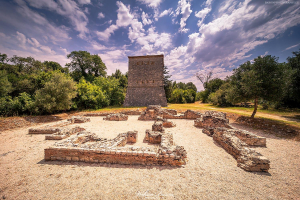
(183, 8)
(202, 13)
(26, 47)
(151, 3)
(115, 59)
(146, 19)
(101, 15)
(84, 1)
(124, 19)
(231, 37)
(65, 8)
(165, 12)
(291, 47)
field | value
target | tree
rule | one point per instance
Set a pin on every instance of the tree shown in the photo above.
(90, 96)
(204, 77)
(51, 65)
(262, 79)
(167, 82)
(291, 71)
(57, 94)
(83, 64)
(110, 87)
(5, 86)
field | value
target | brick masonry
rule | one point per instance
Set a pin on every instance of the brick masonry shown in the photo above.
(145, 81)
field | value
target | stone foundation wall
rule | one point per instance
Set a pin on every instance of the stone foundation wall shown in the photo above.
(247, 158)
(63, 133)
(114, 156)
(96, 114)
(87, 147)
(116, 117)
(132, 112)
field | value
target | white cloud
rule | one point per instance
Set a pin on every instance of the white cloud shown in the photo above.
(101, 15)
(125, 18)
(183, 8)
(84, 1)
(65, 8)
(165, 12)
(151, 3)
(22, 39)
(124, 15)
(33, 42)
(146, 19)
(291, 47)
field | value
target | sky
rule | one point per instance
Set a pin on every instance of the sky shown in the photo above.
(195, 36)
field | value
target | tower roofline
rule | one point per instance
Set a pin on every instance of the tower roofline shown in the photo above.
(147, 56)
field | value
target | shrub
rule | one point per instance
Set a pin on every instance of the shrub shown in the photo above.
(57, 94)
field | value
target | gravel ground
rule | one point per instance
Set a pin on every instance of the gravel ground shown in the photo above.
(210, 172)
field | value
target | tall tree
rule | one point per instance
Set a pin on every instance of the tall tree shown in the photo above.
(83, 64)
(259, 80)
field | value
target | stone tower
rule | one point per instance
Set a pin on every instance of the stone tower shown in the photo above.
(145, 81)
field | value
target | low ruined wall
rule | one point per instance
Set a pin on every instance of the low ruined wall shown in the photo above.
(116, 117)
(247, 158)
(114, 156)
(132, 112)
(64, 133)
(96, 114)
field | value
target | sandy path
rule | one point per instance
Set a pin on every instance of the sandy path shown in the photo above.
(210, 173)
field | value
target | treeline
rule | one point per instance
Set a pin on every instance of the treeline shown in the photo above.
(264, 81)
(29, 86)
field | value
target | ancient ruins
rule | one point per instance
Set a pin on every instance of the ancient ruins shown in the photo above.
(145, 81)
(80, 145)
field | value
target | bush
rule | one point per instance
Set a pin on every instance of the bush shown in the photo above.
(90, 96)
(23, 104)
(111, 87)
(220, 96)
(57, 94)
(203, 96)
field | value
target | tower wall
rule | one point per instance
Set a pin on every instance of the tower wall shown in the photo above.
(145, 81)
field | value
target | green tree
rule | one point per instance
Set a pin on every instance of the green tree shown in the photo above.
(110, 86)
(5, 86)
(54, 66)
(57, 94)
(260, 80)
(83, 64)
(90, 96)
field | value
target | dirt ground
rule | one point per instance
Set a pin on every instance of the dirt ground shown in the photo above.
(210, 172)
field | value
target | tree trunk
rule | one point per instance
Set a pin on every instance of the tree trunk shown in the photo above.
(255, 108)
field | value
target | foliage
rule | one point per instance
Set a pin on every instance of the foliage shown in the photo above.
(57, 94)
(183, 96)
(252, 81)
(5, 86)
(90, 96)
(219, 97)
(110, 86)
(83, 64)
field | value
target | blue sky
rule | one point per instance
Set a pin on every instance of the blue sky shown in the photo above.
(194, 35)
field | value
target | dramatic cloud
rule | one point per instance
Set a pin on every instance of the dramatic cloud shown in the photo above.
(65, 8)
(183, 8)
(151, 3)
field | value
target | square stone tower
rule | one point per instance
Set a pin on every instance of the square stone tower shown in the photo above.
(145, 81)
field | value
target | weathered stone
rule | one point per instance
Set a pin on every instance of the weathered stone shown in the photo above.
(158, 126)
(96, 114)
(79, 119)
(151, 113)
(190, 114)
(168, 124)
(132, 112)
(116, 117)
(247, 158)
(145, 81)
